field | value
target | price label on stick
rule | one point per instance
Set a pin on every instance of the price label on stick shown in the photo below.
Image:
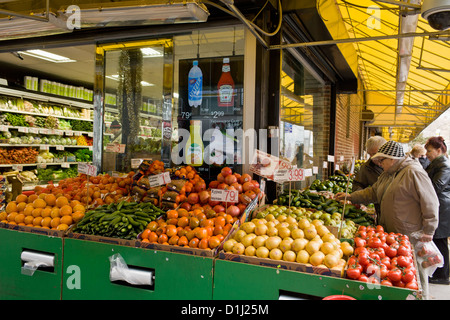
(224, 195)
(296, 174)
(159, 179)
(87, 169)
(281, 175)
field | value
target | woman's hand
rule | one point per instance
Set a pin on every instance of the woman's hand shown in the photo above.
(426, 238)
(341, 196)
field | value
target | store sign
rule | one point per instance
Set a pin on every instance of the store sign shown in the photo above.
(87, 169)
(224, 195)
(115, 147)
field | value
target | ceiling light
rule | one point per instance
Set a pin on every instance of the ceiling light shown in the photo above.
(45, 55)
(146, 84)
(116, 77)
(151, 53)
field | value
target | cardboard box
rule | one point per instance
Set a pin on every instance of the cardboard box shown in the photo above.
(118, 241)
(36, 230)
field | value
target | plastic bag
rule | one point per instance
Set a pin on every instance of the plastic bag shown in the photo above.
(119, 271)
(428, 256)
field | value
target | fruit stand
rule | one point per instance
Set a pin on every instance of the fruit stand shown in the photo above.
(154, 230)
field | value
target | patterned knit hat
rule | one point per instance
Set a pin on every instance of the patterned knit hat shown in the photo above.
(391, 150)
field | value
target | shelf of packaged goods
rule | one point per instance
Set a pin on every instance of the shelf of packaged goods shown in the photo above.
(40, 164)
(43, 115)
(45, 97)
(38, 130)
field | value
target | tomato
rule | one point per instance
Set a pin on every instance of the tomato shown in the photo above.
(353, 272)
(391, 239)
(395, 275)
(372, 269)
(386, 282)
(391, 252)
(352, 261)
(359, 250)
(407, 276)
(404, 262)
(374, 242)
(363, 259)
(386, 261)
(412, 285)
(359, 242)
(380, 252)
(374, 256)
(379, 229)
(399, 284)
(403, 251)
(363, 278)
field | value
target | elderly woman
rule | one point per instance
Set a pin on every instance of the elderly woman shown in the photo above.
(404, 191)
(418, 152)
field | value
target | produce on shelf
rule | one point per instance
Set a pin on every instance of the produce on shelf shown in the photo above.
(382, 258)
(44, 210)
(64, 124)
(335, 184)
(80, 125)
(45, 156)
(81, 141)
(150, 144)
(39, 122)
(83, 155)
(118, 220)
(285, 238)
(198, 228)
(18, 155)
(16, 119)
(28, 176)
(51, 122)
(309, 199)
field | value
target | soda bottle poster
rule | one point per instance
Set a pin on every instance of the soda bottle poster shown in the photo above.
(211, 74)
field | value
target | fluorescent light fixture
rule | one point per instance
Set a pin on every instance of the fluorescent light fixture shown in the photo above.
(116, 77)
(45, 55)
(150, 53)
(133, 13)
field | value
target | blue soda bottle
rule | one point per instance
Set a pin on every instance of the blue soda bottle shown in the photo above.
(195, 84)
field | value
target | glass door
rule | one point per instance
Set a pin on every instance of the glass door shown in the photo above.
(133, 104)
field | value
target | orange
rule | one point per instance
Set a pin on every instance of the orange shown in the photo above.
(36, 212)
(28, 220)
(46, 222)
(65, 210)
(171, 230)
(66, 220)
(213, 242)
(42, 196)
(19, 218)
(172, 214)
(62, 227)
(50, 199)
(194, 242)
(77, 216)
(73, 203)
(183, 241)
(21, 206)
(46, 212)
(28, 210)
(61, 202)
(79, 207)
(203, 244)
(37, 221)
(145, 234)
(11, 207)
(152, 237)
(12, 216)
(21, 198)
(162, 238)
(3, 215)
(55, 212)
(32, 197)
(55, 222)
(39, 203)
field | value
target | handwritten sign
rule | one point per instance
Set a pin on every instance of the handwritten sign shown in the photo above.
(224, 195)
(115, 147)
(87, 169)
(296, 174)
(159, 179)
(265, 165)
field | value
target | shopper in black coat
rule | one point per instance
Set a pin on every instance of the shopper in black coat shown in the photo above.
(439, 172)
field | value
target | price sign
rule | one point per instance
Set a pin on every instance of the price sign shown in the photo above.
(115, 147)
(77, 133)
(43, 147)
(308, 172)
(3, 128)
(65, 165)
(159, 179)
(17, 167)
(41, 165)
(44, 131)
(23, 129)
(296, 174)
(224, 195)
(33, 130)
(59, 147)
(69, 133)
(281, 175)
(87, 169)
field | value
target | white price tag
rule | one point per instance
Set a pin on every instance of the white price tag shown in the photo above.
(33, 130)
(23, 129)
(330, 158)
(135, 163)
(90, 134)
(341, 158)
(65, 165)
(90, 148)
(59, 132)
(3, 128)
(336, 167)
(159, 179)
(59, 147)
(44, 131)
(315, 170)
(77, 133)
(224, 195)
(325, 164)
(308, 172)
(43, 147)
(17, 167)
(281, 175)
(69, 133)
(115, 147)
(296, 174)
(87, 169)
(41, 165)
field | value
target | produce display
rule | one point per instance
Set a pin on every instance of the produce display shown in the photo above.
(45, 210)
(334, 183)
(285, 238)
(18, 155)
(199, 228)
(118, 220)
(382, 258)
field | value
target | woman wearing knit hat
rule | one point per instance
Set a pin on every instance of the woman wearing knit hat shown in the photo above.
(404, 191)
(439, 172)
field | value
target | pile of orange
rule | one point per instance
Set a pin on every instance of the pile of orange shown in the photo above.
(44, 211)
(98, 190)
(199, 228)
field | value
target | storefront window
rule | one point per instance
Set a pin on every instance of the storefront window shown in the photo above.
(303, 119)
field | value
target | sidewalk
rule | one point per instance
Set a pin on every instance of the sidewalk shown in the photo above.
(439, 292)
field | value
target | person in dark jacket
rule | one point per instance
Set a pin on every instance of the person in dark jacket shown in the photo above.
(439, 172)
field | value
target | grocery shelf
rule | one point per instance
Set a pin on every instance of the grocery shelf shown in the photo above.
(38, 130)
(37, 164)
(46, 97)
(40, 145)
(41, 115)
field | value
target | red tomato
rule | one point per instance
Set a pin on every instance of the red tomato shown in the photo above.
(407, 276)
(386, 261)
(359, 242)
(363, 259)
(395, 275)
(379, 229)
(372, 269)
(363, 278)
(374, 242)
(412, 285)
(383, 271)
(386, 282)
(404, 262)
(374, 256)
(403, 251)
(354, 273)
(391, 252)
(390, 239)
